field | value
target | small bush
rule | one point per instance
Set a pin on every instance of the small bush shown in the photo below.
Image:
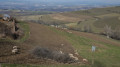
(41, 52)
(54, 55)
(63, 58)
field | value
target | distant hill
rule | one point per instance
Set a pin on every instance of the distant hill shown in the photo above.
(97, 18)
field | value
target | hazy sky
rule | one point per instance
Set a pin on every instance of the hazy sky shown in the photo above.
(65, 1)
(36, 4)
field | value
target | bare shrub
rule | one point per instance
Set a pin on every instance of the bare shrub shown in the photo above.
(54, 55)
(116, 34)
(87, 28)
(108, 31)
(112, 33)
(63, 58)
(41, 52)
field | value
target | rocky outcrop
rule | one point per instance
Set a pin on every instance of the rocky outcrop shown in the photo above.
(9, 28)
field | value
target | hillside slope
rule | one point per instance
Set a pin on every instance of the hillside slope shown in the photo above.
(107, 50)
(96, 18)
(40, 36)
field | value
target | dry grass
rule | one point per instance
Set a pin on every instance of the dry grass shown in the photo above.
(69, 18)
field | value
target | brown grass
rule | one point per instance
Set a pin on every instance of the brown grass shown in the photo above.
(70, 18)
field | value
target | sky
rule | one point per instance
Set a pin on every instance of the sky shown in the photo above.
(103, 1)
(61, 2)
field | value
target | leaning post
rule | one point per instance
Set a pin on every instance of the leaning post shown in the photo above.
(93, 51)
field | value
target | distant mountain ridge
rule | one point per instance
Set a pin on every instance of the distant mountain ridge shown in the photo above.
(56, 5)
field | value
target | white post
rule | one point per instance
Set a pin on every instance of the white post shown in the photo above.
(92, 58)
(93, 50)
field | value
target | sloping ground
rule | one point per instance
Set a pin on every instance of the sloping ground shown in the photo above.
(98, 11)
(40, 36)
(97, 38)
(96, 18)
(107, 52)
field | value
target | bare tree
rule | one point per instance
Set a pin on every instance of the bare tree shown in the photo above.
(108, 31)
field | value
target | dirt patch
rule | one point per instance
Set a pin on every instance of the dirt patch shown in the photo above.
(43, 36)
(5, 48)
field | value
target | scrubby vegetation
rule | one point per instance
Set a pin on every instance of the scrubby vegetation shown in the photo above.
(112, 33)
(40, 52)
